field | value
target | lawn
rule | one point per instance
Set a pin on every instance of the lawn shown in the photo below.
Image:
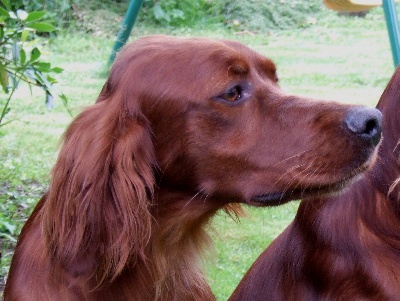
(343, 59)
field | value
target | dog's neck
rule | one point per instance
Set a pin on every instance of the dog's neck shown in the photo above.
(175, 252)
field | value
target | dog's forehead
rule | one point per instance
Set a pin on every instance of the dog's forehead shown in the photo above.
(204, 66)
(166, 52)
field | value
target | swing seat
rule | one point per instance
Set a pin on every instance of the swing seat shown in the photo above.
(352, 5)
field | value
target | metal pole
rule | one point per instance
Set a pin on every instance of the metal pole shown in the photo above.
(127, 25)
(392, 23)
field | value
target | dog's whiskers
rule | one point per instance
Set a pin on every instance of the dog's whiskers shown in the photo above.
(297, 176)
(291, 157)
(191, 199)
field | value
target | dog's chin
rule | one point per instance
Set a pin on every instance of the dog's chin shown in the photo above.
(309, 191)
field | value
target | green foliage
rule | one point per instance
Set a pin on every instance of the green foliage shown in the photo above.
(15, 207)
(181, 13)
(20, 55)
(100, 18)
(58, 10)
(254, 15)
(99, 22)
(266, 15)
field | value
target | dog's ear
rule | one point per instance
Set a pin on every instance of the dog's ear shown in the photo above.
(389, 106)
(97, 214)
(387, 168)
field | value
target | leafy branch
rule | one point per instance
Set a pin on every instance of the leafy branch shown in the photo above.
(20, 57)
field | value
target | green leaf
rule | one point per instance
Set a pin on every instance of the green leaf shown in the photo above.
(24, 35)
(35, 15)
(63, 98)
(41, 26)
(11, 228)
(65, 102)
(7, 236)
(4, 12)
(51, 80)
(1, 33)
(57, 70)
(3, 78)
(35, 54)
(6, 3)
(22, 56)
(42, 66)
(43, 80)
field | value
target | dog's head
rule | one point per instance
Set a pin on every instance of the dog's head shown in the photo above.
(222, 126)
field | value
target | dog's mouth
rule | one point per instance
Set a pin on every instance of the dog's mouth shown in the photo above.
(278, 198)
(308, 191)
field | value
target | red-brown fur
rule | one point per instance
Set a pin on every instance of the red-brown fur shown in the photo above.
(345, 247)
(142, 171)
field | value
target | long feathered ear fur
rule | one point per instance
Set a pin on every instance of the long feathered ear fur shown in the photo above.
(97, 218)
(389, 150)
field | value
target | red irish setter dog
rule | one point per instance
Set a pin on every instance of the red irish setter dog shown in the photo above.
(181, 129)
(345, 247)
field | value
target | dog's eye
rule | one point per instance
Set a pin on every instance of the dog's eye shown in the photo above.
(233, 94)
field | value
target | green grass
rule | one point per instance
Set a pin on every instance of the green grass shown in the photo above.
(340, 59)
(238, 244)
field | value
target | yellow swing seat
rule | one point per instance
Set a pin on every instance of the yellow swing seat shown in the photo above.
(352, 5)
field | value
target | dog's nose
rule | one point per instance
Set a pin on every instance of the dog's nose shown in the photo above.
(365, 122)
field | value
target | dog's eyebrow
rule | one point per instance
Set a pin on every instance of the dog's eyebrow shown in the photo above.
(239, 68)
(266, 66)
